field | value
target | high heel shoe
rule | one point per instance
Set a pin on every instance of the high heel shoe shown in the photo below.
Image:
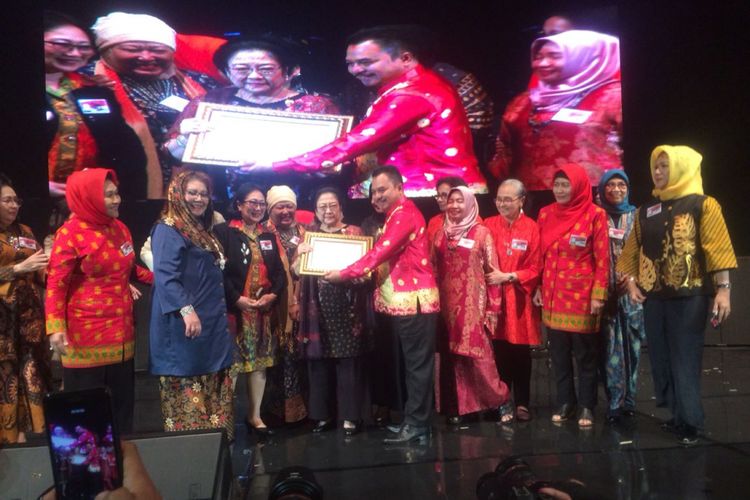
(261, 431)
(351, 428)
(565, 412)
(455, 420)
(585, 418)
(323, 425)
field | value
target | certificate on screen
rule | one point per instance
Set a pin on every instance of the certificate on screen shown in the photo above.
(240, 133)
(332, 252)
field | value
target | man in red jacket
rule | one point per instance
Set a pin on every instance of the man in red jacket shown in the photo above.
(417, 122)
(406, 291)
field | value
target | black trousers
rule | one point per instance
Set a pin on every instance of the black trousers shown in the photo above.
(343, 378)
(514, 366)
(386, 364)
(675, 329)
(118, 377)
(416, 334)
(564, 346)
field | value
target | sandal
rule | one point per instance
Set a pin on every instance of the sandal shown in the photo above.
(506, 413)
(523, 414)
(565, 412)
(585, 419)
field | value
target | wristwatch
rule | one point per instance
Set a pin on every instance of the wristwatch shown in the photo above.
(186, 310)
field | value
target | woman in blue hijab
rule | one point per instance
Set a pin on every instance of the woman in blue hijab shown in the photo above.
(622, 321)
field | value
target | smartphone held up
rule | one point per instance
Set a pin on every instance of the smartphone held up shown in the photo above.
(83, 442)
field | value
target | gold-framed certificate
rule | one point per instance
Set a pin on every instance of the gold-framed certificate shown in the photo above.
(332, 252)
(240, 133)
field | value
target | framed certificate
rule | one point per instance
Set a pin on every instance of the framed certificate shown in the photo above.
(239, 133)
(332, 252)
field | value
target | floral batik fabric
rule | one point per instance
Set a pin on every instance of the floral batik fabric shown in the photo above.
(24, 357)
(198, 402)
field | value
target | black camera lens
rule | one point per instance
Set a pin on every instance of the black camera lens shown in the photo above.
(295, 483)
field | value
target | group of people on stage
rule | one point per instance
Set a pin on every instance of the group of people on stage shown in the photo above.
(445, 311)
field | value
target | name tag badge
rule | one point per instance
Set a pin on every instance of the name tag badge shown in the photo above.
(94, 106)
(294, 240)
(126, 248)
(617, 234)
(266, 245)
(577, 241)
(653, 210)
(175, 102)
(466, 243)
(521, 245)
(27, 243)
(567, 115)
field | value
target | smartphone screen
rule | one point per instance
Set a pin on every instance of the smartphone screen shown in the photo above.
(83, 442)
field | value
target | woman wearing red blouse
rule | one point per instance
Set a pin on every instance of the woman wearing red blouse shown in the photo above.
(89, 304)
(575, 274)
(571, 113)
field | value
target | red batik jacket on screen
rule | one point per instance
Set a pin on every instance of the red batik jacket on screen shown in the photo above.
(416, 124)
(404, 278)
(531, 146)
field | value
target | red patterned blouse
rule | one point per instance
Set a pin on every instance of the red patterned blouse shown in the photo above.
(88, 297)
(575, 271)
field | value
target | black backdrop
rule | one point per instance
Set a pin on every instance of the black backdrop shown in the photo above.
(683, 71)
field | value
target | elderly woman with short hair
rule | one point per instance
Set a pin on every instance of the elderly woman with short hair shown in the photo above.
(332, 328)
(264, 73)
(517, 244)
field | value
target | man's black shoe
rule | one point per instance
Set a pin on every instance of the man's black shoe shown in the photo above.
(410, 434)
(394, 428)
(688, 436)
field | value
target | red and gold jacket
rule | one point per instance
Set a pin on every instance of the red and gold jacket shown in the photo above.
(417, 124)
(88, 297)
(532, 146)
(518, 250)
(405, 279)
(575, 270)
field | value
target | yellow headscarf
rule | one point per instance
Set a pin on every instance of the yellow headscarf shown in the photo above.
(684, 172)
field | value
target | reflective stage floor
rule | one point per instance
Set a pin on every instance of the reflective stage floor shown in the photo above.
(634, 459)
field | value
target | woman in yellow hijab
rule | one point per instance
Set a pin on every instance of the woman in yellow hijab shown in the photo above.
(678, 258)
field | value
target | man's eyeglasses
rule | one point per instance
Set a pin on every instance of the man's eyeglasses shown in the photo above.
(441, 196)
(83, 48)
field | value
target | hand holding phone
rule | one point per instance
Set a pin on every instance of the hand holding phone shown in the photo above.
(83, 442)
(715, 321)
